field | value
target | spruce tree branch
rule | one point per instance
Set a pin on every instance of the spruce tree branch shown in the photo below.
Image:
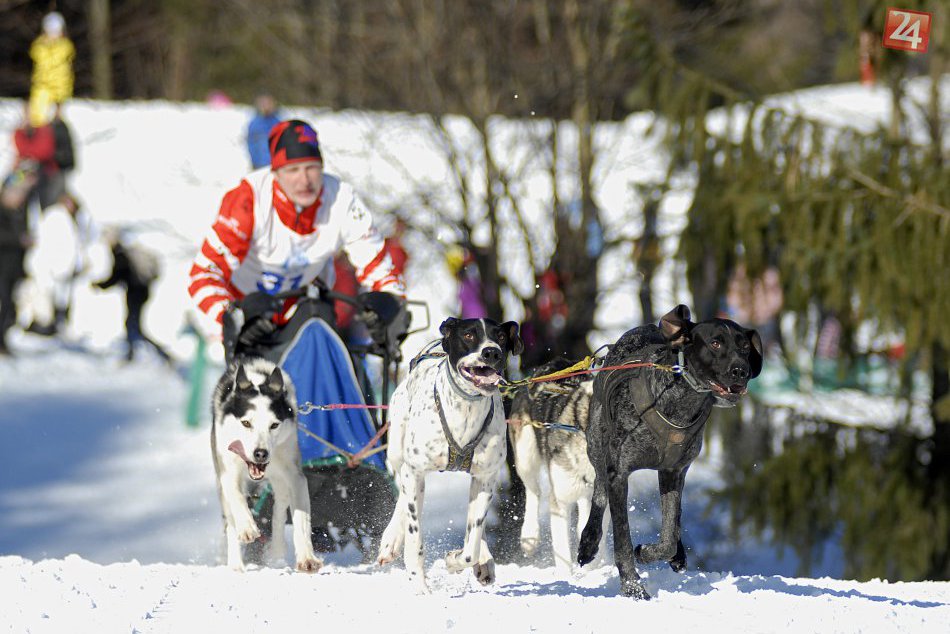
(732, 95)
(912, 202)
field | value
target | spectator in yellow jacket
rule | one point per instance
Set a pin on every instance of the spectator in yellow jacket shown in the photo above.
(52, 53)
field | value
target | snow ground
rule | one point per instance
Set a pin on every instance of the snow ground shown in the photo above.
(109, 518)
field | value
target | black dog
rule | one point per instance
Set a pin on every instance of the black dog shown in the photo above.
(646, 418)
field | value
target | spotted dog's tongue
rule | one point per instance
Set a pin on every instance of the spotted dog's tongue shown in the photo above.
(253, 469)
(482, 375)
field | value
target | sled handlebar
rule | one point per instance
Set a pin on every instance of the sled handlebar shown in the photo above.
(316, 291)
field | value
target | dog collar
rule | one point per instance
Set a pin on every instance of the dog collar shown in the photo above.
(456, 387)
(460, 458)
(679, 369)
(426, 353)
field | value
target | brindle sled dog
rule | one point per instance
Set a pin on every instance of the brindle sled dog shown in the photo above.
(546, 426)
(646, 418)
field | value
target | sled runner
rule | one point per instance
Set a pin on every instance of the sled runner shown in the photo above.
(350, 500)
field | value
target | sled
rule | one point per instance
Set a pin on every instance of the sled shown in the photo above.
(351, 501)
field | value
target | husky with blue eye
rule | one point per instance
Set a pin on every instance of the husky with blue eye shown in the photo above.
(253, 437)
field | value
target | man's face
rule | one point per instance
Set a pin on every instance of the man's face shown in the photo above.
(301, 182)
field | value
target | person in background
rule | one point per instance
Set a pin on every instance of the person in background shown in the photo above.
(52, 54)
(395, 249)
(135, 268)
(53, 264)
(218, 100)
(461, 263)
(14, 240)
(757, 303)
(36, 143)
(265, 118)
(64, 153)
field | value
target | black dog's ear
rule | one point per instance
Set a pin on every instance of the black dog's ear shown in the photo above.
(515, 344)
(241, 382)
(275, 382)
(755, 355)
(675, 325)
(447, 326)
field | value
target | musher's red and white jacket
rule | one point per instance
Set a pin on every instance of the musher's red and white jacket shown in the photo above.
(260, 241)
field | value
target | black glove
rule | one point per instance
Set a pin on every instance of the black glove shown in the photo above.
(374, 324)
(257, 328)
(386, 318)
(377, 311)
(259, 304)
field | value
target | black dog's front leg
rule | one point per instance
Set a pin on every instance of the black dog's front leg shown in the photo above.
(670, 547)
(593, 530)
(630, 585)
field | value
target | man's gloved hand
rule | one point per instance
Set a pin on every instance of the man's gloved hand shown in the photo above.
(377, 310)
(374, 324)
(257, 328)
(257, 309)
(386, 318)
(259, 304)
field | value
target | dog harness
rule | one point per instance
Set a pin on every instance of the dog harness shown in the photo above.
(460, 458)
(672, 437)
(670, 434)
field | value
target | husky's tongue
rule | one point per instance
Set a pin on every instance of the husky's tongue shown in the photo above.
(256, 472)
(238, 448)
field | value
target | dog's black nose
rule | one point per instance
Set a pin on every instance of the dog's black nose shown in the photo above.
(260, 455)
(491, 355)
(740, 373)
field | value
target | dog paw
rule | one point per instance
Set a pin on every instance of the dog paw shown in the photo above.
(485, 573)
(454, 562)
(422, 589)
(678, 562)
(387, 554)
(634, 589)
(586, 551)
(310, 565)
(593, 564)
(529, 545)
(248, 534)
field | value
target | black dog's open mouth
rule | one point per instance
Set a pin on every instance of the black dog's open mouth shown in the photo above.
(480, 375)
(254, 469)
(732, 393)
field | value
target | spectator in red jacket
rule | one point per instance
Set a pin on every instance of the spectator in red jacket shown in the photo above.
(38, 144)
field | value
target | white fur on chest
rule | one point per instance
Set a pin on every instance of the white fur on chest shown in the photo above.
(421, 439)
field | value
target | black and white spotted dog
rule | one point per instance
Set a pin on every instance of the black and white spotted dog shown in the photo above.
(447, 415)
(254, 436)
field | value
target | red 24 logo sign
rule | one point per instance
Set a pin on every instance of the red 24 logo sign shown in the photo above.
(907, 30)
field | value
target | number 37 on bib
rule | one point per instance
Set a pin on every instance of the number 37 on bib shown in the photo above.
(907, 30)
